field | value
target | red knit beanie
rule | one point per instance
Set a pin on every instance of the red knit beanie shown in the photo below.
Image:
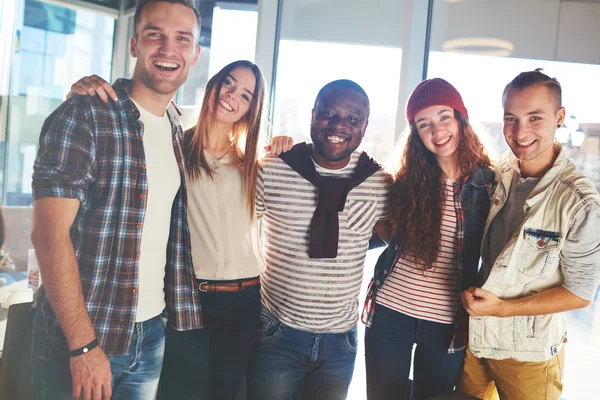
(434, 92)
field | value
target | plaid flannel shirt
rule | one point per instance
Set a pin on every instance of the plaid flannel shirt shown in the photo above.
(481, 178)
(460, 337)
(93, 152)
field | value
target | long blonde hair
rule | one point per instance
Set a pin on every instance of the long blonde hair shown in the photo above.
(245, 132)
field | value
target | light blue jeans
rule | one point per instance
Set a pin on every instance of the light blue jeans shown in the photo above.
(290, 364)
(135, 374)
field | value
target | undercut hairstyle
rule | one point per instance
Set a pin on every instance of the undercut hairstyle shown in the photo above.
(143, 3)
(343, 84)
(533, 78)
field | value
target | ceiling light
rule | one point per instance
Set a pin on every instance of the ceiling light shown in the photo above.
(480, 45)
(572, 123)
(562, 135)
(577, 138)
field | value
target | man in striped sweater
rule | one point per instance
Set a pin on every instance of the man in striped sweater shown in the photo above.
(319, 204)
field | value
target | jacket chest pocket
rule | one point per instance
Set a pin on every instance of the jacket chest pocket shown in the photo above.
(360, 215)
(540, 249)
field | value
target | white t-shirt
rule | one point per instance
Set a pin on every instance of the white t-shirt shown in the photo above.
(314, 294)
(224, 238)
(164, 181)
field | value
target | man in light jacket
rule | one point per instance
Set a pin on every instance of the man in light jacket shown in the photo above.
(540, 253)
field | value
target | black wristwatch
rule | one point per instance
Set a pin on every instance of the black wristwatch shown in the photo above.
(85, 349)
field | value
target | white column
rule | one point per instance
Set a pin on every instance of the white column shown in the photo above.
(267, 42)
(413, 56)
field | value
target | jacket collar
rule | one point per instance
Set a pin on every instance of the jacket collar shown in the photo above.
(483, 176)
(510, 165)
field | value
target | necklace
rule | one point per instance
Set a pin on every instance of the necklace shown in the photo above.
(218, 157)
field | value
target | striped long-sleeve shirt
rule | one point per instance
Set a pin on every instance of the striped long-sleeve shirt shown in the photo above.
(427, 292)
(314, 294)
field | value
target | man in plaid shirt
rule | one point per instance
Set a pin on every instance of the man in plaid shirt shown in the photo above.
(109, 216)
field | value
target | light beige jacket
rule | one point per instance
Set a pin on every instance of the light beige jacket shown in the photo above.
(530, 262)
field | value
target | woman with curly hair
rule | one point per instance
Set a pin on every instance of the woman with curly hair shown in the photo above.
(439, 203)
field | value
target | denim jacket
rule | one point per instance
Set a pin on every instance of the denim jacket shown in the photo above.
(474, 193)
(530, 262)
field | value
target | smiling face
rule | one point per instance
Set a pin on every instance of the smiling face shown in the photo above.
(439, 131)
(530, 120)
(165, 46)
(339, 121)
(235, 96)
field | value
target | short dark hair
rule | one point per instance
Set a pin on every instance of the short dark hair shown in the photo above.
(143, 3)
(533, 78)
(342, 84)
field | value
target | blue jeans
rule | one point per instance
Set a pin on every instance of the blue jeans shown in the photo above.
(210, 363)
(290, 364)
(134, 374)
(388, 351)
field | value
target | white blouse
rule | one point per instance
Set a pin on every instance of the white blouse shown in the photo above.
(224, 239)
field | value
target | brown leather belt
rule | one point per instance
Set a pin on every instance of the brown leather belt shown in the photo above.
(230, 287)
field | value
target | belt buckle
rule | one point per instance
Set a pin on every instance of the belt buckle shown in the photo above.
(200, 286)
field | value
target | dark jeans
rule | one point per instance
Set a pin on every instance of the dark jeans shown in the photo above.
(134, 374)
(388, 347)
(210, 363)
(290, 364)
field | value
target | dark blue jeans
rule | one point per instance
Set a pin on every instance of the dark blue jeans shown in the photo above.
(388, 351)
(210, 363)
(290, 364)
(134, 374)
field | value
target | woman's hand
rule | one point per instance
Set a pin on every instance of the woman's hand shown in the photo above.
(91, 86)
(279, 144)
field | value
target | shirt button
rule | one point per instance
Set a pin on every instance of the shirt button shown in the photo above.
(134, 290)
(137, 259)
(385, 271)
(144, 166)
(496, 201)
(396, 247)
(138, 226)
(541, 243)
(142, 196)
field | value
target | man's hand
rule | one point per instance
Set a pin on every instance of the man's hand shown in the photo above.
(91, 86)
(92, 379)
(279, 144)
(481, 303)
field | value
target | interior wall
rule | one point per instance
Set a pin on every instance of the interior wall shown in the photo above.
(342, 21)
(538, 29)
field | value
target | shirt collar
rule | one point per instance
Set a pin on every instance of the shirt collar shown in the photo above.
(121, 87)
(511, 164)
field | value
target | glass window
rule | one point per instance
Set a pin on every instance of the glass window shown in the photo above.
(54, 46)
(228, 34)
(358, 42)
(480, 46)
(323, 41)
